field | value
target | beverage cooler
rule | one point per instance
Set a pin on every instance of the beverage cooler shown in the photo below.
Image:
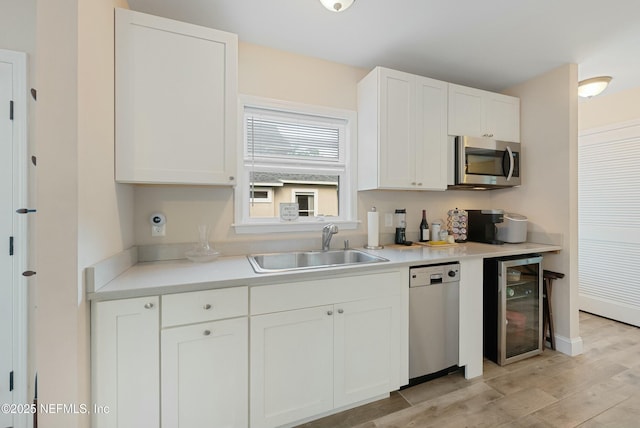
(512, 308)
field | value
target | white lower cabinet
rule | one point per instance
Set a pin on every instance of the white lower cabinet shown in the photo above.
(188, 368)
(366, 349)
(291, 365)
(201, 359)
(204, 375)
(310, 361)
(125, 359)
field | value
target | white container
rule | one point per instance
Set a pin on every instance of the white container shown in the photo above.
(514, 228)
(435, 230)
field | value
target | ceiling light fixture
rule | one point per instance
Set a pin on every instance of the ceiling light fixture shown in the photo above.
(337, 5)
(591, 87)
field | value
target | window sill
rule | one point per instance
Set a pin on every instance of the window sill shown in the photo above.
(283, 227)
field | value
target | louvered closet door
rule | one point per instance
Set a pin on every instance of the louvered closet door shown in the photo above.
(609, 221)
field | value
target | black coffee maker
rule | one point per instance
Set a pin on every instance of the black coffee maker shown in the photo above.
(482, 226)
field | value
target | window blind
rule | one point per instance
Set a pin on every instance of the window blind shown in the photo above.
(609, 223)
(278, 135)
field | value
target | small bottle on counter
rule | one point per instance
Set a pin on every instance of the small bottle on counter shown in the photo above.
(424, 227)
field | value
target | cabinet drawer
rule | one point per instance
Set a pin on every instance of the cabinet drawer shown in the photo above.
(200, 306)
(305, 294)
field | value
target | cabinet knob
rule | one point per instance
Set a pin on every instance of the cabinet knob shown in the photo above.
(413, 183)
(419, 184)
(148, 305)
(206, 332)
(231, 178)
(340, 311)
(206, 307)
(329, 312)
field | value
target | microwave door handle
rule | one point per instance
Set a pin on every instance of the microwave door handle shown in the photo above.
(511, 163)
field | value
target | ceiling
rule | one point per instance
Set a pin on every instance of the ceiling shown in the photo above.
(488, 44)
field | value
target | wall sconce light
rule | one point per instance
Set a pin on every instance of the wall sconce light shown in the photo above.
(591, 87)
(337, 5)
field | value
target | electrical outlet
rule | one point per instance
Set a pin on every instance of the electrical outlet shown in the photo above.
(388, 220)
(158, 224)
(158, 230)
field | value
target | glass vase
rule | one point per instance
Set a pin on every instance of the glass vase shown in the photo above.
(202, 251)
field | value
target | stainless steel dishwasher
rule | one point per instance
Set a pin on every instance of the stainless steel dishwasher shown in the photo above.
(433, 320)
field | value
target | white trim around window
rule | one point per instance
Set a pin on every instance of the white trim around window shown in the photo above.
(345, 169)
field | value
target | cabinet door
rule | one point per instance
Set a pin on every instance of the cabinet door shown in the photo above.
(431, 134)
(125, 362)
(176, 90)
(205, 375)
(291, 365)
(367, 349)
(465, 111)
(503, 117)
(397, 130)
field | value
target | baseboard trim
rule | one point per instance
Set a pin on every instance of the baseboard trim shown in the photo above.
(571, 347)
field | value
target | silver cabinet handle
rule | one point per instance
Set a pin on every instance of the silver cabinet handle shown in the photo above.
(340, 311)
(329, 312)
(148, 305)
(206, 307)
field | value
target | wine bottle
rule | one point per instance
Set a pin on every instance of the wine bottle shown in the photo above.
(424, 227)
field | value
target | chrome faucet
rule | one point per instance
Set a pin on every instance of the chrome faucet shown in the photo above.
(327, 233)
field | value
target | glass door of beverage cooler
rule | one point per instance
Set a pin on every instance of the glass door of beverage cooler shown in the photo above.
(520, 306)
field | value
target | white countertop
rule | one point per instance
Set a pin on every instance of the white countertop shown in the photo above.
(176, 276)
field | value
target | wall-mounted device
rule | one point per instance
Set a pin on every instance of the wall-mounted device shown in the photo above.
(158, 224)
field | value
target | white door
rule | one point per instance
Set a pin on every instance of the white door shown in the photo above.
(367, 349)
(609, 222)
(291, 366)
(6, 231)
(205, 375)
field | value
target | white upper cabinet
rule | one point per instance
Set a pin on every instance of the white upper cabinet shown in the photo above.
(479, 113)
(402, 131)
(175, 100)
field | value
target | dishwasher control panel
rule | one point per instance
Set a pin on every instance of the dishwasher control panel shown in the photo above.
(419, 276)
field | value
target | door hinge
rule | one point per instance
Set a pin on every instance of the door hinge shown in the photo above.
(25, 210)
(11, 110)
(11, 245)
(11, 381)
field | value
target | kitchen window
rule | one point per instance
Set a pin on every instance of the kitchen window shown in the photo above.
(295, 154)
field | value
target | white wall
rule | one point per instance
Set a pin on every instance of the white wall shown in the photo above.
(548, 196)
(83, 216)
(609, 109)
(58, 315)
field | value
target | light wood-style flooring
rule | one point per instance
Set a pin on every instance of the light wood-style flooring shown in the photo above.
(600, 388)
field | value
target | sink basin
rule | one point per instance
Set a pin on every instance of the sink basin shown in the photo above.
(283, 262)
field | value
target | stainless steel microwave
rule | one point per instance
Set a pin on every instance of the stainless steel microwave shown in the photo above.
(483, 163)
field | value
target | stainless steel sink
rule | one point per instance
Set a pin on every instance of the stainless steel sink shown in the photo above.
(283, 262)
